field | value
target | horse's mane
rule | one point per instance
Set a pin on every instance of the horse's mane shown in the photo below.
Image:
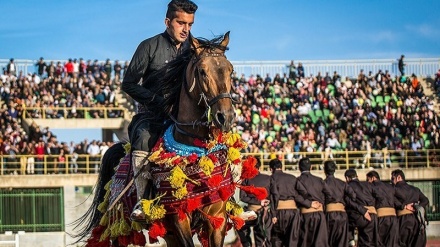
(169, 80)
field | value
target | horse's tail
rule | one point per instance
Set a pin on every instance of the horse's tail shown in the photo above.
(91, 218)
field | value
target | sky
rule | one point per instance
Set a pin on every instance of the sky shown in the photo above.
(260, 29)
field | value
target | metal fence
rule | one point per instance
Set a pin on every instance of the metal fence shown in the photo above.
(432, 190)
(52, 164)
(31, 209)
(350, 67)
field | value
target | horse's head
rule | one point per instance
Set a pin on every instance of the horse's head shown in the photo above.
(209, 81)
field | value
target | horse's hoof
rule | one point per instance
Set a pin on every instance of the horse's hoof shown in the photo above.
(138, 215)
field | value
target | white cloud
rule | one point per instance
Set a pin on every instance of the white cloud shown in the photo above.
(424, 30)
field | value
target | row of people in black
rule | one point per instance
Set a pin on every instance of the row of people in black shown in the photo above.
(310, 211)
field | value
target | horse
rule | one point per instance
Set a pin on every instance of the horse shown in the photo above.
(192, 168)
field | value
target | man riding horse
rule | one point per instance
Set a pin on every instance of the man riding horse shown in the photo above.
(151, 55)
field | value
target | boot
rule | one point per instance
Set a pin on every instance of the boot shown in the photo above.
(141, 168)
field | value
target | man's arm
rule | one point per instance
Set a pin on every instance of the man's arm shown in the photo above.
(135, 72)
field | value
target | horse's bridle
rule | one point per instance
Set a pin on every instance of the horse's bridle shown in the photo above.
(207, 118)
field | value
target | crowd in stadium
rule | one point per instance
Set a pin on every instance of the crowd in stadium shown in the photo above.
(287, 113)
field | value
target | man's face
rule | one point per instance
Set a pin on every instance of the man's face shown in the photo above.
(179, 27)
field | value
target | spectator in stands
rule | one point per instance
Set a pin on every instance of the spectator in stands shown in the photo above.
(41, 66)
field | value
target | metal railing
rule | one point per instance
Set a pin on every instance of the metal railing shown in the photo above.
(348, 67)
(31, 209)
(50, 164)
(73, 112)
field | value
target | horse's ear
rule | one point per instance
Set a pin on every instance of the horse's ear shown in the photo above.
(225, 40)
(195, 45)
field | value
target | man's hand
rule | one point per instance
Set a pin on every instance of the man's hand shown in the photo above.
(316, 205)
(367, 216)
(264, 202)
(410, 207)
(274, 220)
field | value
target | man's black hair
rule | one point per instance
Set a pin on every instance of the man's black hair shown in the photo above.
(304, 164)
(350, 173)
(258, 163)
(373, 174)
(186, 6)
(397, 173)
(329, 167)
(275, 164)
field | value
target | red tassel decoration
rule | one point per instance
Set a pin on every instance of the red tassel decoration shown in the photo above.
(216, 222)
(213, 158)
(229, 226)
(192, 204)
(177, 161)
(259, 192)
(237, 221)
(192, 158)
(215, 180)
(248, 169)
(226, 192)
(199, 143)
(181, 214)
(155, 231)
(157, 145)
(203, 238)
(139, 238)
(124, 240)
(167, 155)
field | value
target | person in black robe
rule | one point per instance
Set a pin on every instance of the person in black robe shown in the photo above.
(411, 206)
(313, 230)
(386, 213)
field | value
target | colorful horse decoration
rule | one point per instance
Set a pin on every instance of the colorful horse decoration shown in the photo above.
(197, 164)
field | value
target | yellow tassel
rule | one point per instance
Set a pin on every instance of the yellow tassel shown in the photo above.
(180, 193)
(177, 178)
(233, 154)
(234, 208)
(136, 226)
(103, 206)
(206, 165)
(107, 186)
(105, 235)
(104, 220)
(124, 228)
(114, 229)
(127, 147)
(232, 139)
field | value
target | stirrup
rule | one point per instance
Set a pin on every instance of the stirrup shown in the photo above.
(138, 214)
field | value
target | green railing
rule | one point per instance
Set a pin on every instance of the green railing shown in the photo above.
(32, 210)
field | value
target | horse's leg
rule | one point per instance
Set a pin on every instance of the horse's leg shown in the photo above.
(180, 235)
(216, 236)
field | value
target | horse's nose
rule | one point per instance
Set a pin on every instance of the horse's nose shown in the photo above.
(225, 120)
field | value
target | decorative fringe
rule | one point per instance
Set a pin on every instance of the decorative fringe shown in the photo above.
(248, 169)
(237, 221)
(139, 238)
(226, 192)
(156, 230)
(104, 220)
(207, 165)
(259, 192)
(136, 226)
(127, 148)
(233, 208)
(215, 181)
(234, 155)
(216, 222)
(193, 204)
(153, 210)
(124, 240)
